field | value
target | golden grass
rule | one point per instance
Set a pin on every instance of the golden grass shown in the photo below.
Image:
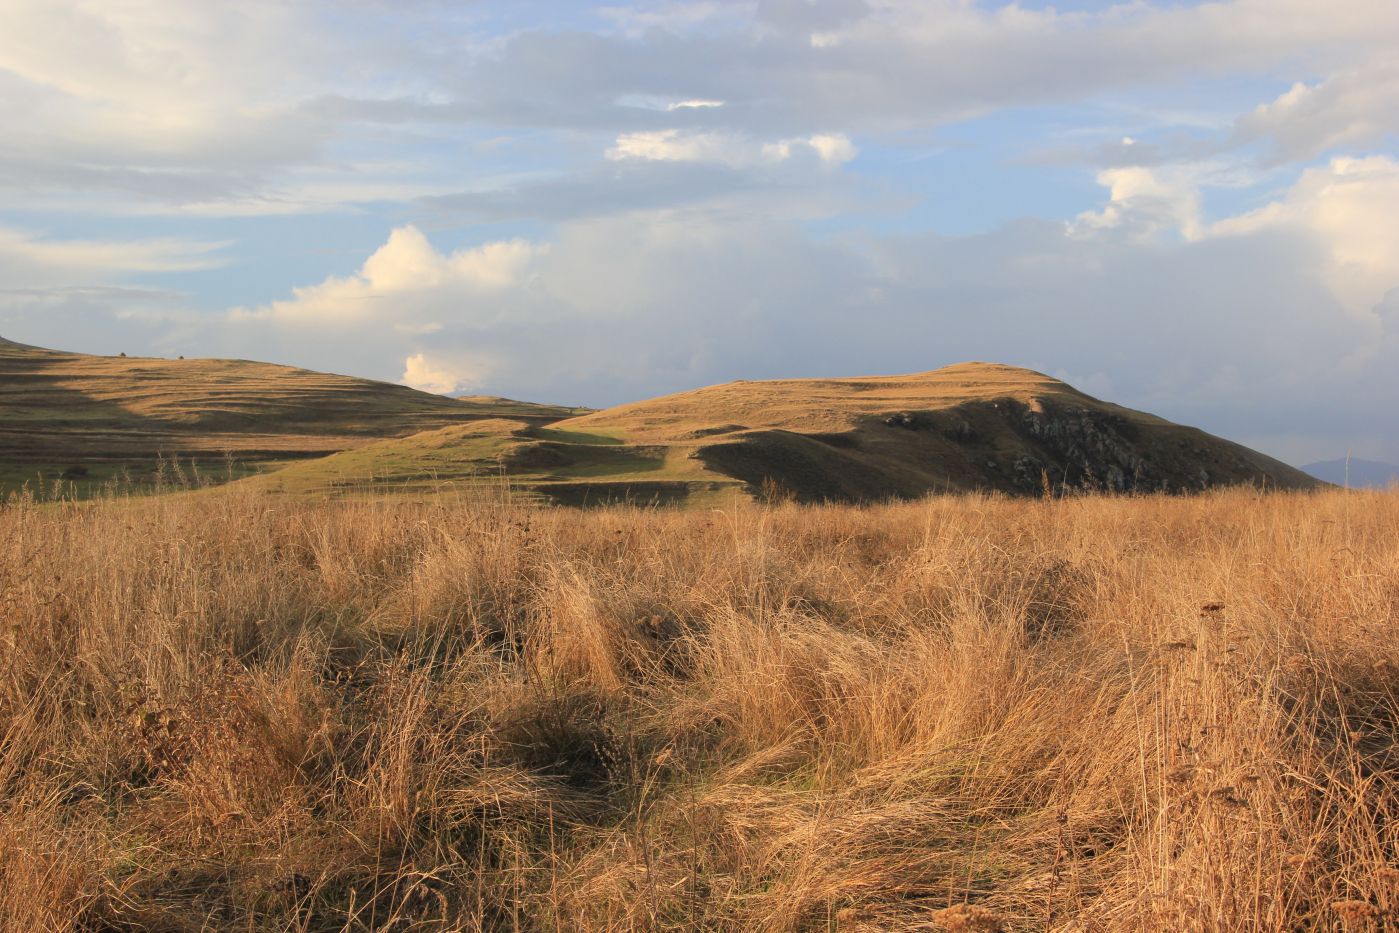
(244, 712)
(823, 405)
(108, 415)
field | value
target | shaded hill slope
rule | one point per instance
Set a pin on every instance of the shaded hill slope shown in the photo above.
(90, 415)
(960, 428)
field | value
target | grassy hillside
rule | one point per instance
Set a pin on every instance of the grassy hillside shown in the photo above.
(971, 713)
(537, 463)
(960, 428)
(93, 416)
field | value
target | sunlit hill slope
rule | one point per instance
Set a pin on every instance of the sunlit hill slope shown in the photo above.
(969, 426)
(93, 416)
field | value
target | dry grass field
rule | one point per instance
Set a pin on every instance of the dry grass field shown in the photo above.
(238, 711)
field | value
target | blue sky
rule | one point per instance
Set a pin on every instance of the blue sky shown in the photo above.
(1182, 207)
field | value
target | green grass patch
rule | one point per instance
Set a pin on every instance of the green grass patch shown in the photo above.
(590, 438)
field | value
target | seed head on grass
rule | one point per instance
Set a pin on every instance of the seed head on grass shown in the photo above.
(967, 918)
(1356, 914)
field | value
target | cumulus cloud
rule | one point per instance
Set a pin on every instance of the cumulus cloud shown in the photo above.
(1243, 327)
(409, 281)
(1348, 208)
(438, 376)
(408, 301)
(1144, 203)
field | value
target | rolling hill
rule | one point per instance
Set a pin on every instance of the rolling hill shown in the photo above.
(91, 417)
(964, 427)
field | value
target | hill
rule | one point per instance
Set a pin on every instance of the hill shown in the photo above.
(94, 416)
(1357, 474)
(964, 427)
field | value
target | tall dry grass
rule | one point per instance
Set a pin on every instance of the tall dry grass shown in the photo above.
(233, 712)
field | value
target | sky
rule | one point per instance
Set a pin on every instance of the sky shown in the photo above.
(1188, 208)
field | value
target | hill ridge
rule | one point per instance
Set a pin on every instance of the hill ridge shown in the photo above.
(962, 427)
(100, 416)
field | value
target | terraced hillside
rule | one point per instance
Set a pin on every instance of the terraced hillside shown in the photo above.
(964, 427)
(90, 417)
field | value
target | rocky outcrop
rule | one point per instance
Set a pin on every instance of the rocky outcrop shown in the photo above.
(1021, 447)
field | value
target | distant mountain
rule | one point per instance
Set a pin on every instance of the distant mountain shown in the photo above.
(1363, 474)
(972, 426)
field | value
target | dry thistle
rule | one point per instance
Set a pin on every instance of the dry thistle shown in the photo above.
(1355, 914)
(853, 914)
(967, 918)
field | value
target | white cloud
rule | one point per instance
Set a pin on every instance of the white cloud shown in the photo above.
(159, 79)
(25, 256)
(694, 105)
(1345, 209)
(205, 107)
(1349, 207)
(408, 262)
(831, 148)
(793, 69)
(735, 151)
(674, 146)
(407, 301)
(408, 282)
(215, 107)
(438, 376)
(1144, 203)
(1355, 108)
